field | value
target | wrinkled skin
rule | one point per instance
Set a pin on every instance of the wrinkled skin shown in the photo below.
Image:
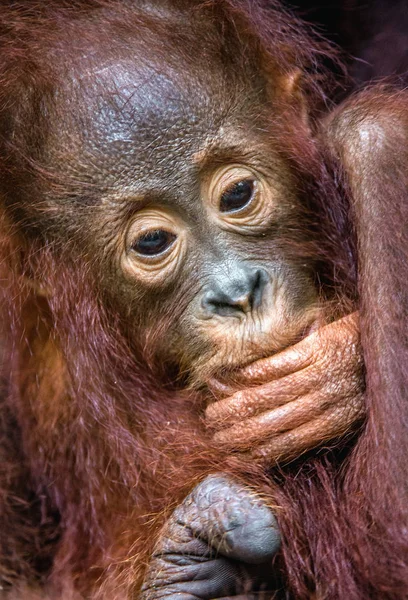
(299, 398)
(214, 545)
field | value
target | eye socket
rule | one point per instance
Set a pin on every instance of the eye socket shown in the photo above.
(241, 199)
(237, 196)
(154, 242)
(154, 245)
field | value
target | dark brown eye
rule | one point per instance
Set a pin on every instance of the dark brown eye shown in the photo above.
(153, 242)
(237, 196)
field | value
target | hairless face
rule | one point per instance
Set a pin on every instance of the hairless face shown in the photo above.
(189, 200)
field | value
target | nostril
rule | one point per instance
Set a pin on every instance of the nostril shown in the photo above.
(217, 302)
(236, 297)
(260, 279)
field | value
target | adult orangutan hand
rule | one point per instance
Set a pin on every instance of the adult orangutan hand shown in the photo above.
(294, 401)
(219, 543)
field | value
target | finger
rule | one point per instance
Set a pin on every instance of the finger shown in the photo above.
(336, 423)
(302, 354)
(232, 518)
(251, 432)
(221, 389)
(254, 401)
(294, 358)
(220, 520)
(186, 580)
(337, 374)
(177, 576)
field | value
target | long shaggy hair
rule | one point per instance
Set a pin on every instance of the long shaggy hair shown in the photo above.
(95, 451)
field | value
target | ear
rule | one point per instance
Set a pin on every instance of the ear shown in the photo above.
(289, 93)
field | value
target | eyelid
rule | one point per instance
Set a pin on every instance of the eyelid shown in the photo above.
(219, 180)
(153, 269)
(256, 215)
(148, 220)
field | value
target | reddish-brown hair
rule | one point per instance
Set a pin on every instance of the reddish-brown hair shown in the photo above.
(95, 451)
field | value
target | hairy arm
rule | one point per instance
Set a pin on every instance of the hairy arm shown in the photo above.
(368, 136)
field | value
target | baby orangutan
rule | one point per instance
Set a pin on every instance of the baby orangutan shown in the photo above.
(183, 373)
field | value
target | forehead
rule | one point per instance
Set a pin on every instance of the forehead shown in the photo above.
(146, 105)
(143, 115)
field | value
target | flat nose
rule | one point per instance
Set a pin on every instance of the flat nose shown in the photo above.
(237, 295)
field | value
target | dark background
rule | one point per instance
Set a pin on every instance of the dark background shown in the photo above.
(374, 34)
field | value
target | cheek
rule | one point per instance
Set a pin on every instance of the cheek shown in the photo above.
(287, 312)
(295, 295)
(164, 328)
